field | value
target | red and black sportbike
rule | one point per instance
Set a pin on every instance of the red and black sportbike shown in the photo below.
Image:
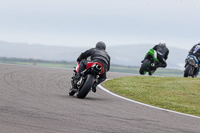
(87, 79)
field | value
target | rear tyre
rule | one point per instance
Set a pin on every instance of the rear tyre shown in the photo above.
(86, 87)
(144, 66)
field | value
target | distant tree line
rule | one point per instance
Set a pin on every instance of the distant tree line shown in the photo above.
(31, 60)
(35, 61)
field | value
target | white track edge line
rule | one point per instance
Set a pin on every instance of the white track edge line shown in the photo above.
(106, 90)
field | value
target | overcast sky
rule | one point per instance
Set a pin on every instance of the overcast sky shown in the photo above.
(85, 22)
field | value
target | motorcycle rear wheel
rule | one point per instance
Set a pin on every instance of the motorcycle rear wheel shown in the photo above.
(86, 87)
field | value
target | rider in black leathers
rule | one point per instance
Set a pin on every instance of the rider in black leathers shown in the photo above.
(162, 54)
(97, 54)
(195, 51)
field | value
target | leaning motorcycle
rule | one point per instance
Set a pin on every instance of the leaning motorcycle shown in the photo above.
(191, 66)
(88, 77)
(149, 63)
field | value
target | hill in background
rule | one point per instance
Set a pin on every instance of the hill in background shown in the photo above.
(125, 55)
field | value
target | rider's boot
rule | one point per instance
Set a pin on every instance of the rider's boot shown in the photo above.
(75, 80)
(94, 87)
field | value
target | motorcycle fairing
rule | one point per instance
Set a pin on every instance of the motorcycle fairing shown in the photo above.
(153, 54)
(194, 57)
(77, 67)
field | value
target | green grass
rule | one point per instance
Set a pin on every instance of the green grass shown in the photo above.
(174, 93)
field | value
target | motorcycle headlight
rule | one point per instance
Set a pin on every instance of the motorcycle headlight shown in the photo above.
(191, 60)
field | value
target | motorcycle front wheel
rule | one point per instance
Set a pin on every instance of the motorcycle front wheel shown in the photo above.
(86, 87)
(188, 71)
(144, 66)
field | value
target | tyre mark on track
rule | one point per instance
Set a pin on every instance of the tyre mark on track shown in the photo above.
(8, 78)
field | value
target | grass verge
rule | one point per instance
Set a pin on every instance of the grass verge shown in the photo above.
(173, 93)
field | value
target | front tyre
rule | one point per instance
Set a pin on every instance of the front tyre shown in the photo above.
(188, 71)
(86, 87)
(144, 66)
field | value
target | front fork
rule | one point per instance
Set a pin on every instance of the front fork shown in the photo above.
(197, 69)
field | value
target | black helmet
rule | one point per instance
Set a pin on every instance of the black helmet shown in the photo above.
(162, 43)
(101, 45)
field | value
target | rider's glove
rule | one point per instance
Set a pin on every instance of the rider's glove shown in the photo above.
(78, 59)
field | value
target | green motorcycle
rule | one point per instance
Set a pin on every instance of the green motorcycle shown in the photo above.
(149, 63)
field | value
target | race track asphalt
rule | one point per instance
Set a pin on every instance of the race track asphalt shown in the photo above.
(36, 100)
